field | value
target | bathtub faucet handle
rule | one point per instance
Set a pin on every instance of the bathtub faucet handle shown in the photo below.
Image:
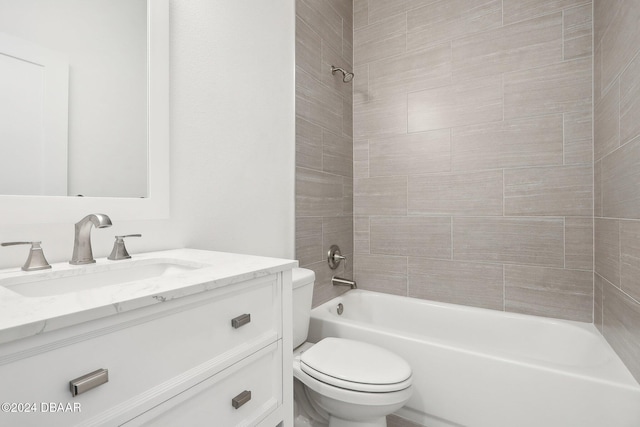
(334, 257)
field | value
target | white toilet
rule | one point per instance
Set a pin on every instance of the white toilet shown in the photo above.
(340, 382)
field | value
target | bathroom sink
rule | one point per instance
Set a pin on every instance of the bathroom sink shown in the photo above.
(76, 279)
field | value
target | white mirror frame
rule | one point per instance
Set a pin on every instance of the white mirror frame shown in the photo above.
(47, 209)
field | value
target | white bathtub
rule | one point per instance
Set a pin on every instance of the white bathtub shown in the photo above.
(483, 368)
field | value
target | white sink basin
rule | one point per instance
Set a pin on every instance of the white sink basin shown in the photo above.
(77, 279)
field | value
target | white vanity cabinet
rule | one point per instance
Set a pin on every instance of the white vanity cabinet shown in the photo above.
(220, 357)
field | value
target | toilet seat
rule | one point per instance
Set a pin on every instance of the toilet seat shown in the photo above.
(356, 366)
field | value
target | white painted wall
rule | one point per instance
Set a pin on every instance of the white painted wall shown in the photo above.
(233, 124)
(232, 139)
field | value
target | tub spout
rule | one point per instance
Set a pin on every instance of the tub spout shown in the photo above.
(339, 281)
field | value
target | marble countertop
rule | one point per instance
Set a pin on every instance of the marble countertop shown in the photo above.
(22, 316)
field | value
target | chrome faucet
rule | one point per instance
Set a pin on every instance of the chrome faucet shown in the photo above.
(82, 253)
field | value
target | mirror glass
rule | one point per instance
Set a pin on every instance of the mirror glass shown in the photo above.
(73, 98)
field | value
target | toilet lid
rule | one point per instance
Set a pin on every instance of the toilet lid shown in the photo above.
(356, 365)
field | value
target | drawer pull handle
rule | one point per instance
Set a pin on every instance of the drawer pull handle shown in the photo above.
(241, 320)
(88, 381)
(241, 399)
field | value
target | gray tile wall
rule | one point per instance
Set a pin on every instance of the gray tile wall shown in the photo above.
(617, 176)
(472, 161)
(324, 143)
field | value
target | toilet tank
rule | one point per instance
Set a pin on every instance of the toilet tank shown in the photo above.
(302, 298)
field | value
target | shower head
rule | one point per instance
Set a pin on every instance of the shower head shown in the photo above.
(346, 76)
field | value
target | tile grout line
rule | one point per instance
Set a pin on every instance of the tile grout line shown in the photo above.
(620, 253)
(504, 288)
(593, 180)
(564, 241)
(563, 34)
(452, 248)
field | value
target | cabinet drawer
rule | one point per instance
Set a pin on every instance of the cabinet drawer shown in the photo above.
(143, 353)
(210, 402)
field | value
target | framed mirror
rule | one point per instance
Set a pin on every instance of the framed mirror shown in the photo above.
(117, 153)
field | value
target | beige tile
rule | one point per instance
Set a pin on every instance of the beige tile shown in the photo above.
(334, 81)
(308, 144)
(578, 243)
(361, 159)
(347, 117)
(578, 138)
(620, 175)
(380, 40)
(577, 24)
(607, 249)
(360, 169)
(598, 289)
(318, 104)
(344, 8)
(471, 102)
(411, 72)
(512, 143)
(337, 154)
(379, 273)
(323, 290)
(409, 154)
(621, 317)
(361, 243)
(533, 241)
(597, 73)
(551, 191)
(360, 13)
(411, 236)
(597, 189)
(360, 84)
(630, 258)
(347, 196)
(361, 150)
(607, 122)
(557, 88)
(380, 10)
(322, 19)
(518, 10)
(347, 42)
(630, 101)
(528, 44)
(380, 196)
(447, 20)
(466, 283)
(361, 223)
(549, 292)
(318, 193)
(620, 42)
(309, 240)
(380, 118)
(361, 235)
(338, 231)
(606, 11)
(308, 49)
(474, 193)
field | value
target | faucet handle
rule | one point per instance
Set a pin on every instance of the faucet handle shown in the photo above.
(36, 259)
(119, 251)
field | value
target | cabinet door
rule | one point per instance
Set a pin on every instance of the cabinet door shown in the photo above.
(222, 399)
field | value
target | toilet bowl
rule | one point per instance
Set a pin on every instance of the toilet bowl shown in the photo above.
(341, 382)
